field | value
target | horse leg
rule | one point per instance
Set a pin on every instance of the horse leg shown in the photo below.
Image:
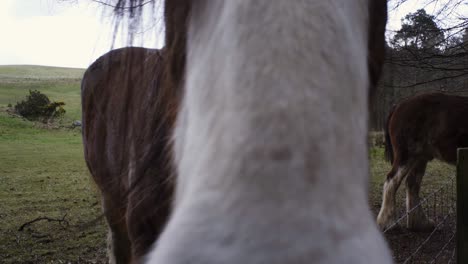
(118, 243)
(386, 215)
(417, 219)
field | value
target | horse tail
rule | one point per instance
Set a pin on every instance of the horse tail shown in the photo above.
(388, 142)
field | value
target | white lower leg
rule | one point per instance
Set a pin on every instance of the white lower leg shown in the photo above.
(110, 249)
(387, 211)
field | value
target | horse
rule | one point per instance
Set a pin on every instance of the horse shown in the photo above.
(126, 134)
(419, 129)
(268, 145)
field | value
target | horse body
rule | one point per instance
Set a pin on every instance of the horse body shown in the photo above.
(270, 153)
(125, 136)
(269, 142)
(418, 130)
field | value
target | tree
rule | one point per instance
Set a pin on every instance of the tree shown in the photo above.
(419, 31)
(428, 53)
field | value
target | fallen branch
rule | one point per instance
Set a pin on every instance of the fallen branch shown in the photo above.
(42, 218)
(39, 235)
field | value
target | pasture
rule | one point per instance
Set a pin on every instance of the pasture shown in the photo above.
(43, 174)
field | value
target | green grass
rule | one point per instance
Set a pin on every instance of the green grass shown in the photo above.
(43, 174)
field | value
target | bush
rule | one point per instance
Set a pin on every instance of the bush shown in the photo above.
(37, 106)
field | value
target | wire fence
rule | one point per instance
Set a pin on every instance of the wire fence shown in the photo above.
(436, 246)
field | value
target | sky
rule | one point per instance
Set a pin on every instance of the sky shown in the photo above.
(53, 33)
(74, 33)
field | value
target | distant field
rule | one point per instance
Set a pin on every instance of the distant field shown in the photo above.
(60, 84)
(39, 72)
(43, 174)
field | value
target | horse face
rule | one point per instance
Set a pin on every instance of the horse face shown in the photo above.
(270, 139)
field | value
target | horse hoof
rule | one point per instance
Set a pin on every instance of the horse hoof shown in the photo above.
(423, 226)
(386, 224)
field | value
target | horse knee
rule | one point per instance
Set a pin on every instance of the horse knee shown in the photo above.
(414, 178)
(393, 181)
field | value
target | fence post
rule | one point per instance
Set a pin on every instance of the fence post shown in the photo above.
(462, 205)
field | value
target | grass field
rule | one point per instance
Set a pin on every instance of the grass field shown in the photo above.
(43, 174)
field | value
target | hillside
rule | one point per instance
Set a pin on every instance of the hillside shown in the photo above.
(39, 72)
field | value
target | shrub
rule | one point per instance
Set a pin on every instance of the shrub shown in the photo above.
(37, 106)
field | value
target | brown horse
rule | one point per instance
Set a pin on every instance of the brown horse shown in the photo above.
(126, 145)
(418, 130)
(270, 135)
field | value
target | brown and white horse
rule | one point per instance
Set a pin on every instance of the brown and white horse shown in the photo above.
(418, 130)
(269, 143)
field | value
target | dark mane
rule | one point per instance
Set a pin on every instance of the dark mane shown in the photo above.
(145, 85)
(126, 134)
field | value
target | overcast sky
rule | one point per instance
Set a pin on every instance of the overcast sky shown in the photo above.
(46, 32)
(74, 34)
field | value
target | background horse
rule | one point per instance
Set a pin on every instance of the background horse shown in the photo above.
(418, 130)
(126, 132)
(270, 146)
